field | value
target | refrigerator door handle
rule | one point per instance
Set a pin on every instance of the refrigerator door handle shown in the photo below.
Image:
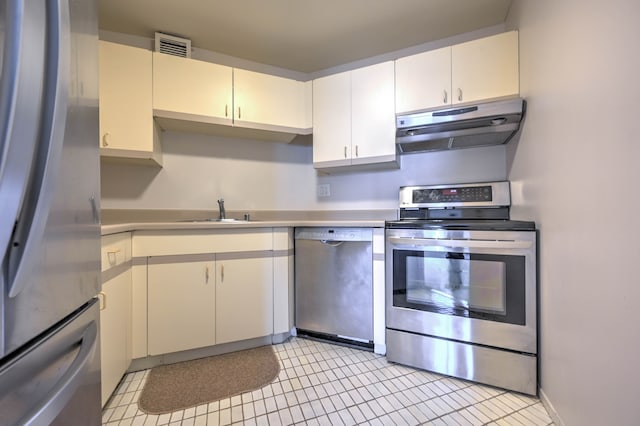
(59, 396)
(21, 90)
(35, 211)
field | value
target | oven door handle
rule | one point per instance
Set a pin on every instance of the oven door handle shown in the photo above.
(424, 243)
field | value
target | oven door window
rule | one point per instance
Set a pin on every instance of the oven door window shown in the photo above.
(482, 286)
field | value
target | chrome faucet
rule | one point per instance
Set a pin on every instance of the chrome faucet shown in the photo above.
(221, 207)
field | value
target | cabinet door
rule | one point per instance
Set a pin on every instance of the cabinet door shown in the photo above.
(267, 99)
(181, 302)
(115, 332)
(332, 119)
(244, 299)
(188, 86)
(485, 68)
(126, 120)
(372, 114)
(423, 81)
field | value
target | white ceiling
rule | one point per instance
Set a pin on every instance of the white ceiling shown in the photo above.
(302, 35)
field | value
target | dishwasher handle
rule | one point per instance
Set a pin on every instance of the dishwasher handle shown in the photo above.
(332, 243)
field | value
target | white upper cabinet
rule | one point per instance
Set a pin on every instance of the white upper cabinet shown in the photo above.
(192, 95)
(267, 99)
(127, 129)
(187, 86)
(423, 80)
(373, 125)
(332, 119)
(485, 68)
(481, 69)
(353, 118)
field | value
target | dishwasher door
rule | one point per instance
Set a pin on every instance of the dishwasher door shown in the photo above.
(334, 282)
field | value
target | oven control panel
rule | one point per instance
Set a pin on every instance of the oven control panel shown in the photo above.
(490, 194)
(462, 194)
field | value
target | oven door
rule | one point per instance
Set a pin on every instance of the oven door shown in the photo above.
(468, 286)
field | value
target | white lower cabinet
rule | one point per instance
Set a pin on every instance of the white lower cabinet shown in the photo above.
(203, 288)
(244, 299)
(181, 303)
(115, 312)
(114, 332)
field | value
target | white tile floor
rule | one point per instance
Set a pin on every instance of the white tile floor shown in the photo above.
(325, 384)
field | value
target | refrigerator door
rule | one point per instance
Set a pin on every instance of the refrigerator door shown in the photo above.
(51, 262)
(56, 379)
(22, 28)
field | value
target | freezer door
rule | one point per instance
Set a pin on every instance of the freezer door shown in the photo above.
(56, 379)
(49, 238)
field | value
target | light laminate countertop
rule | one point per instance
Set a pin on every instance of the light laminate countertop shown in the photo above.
(200, 225)
(115, 221)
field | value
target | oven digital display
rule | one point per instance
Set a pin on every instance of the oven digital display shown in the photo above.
(452, 195)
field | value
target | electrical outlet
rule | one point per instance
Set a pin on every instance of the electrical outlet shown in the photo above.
(324, 190)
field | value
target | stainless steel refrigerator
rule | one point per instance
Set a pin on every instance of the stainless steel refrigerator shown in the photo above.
(49, 213)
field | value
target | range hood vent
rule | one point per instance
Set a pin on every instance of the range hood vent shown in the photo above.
(491, 123)
(172, 45)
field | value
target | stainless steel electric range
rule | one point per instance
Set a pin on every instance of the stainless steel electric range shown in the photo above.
(461, 285)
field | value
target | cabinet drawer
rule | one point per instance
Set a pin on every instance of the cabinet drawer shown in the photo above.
(165, 243)
(116, 250)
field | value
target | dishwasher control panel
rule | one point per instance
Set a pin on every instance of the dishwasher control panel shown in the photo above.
(334, 234)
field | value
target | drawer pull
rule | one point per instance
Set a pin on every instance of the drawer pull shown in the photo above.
(112, 256)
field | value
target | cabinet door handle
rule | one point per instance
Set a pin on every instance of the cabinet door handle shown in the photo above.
(239, 113)
(94, 209)
(105, 139)
(103, 300)
(221, 273)
(356, 150)
(444, 98)
(206, 275)
(226, 110)
(459, 94)
(345, 151)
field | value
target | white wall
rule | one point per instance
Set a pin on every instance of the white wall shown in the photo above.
(575, 172)
(258, 175)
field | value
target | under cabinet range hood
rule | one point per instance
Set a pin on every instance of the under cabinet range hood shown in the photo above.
(483, 124)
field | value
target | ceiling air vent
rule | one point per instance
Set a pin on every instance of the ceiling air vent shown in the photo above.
(172, 45)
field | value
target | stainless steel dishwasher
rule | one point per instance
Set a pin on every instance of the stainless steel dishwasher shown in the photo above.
(334, 284)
